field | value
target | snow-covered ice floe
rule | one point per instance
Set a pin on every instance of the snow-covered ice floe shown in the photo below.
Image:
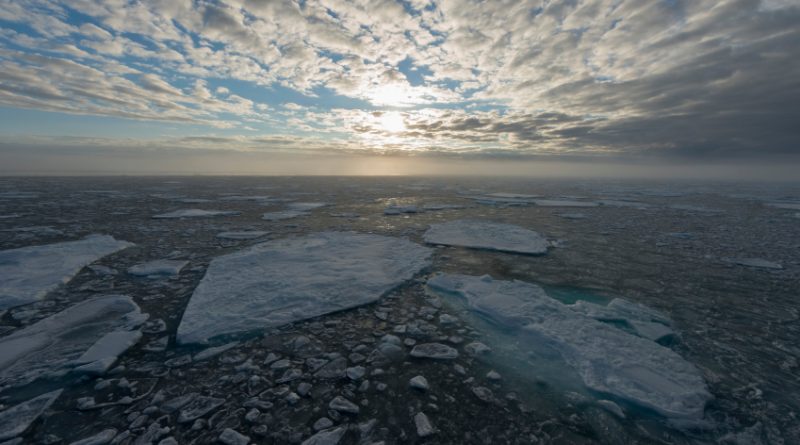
(282, 281)
(158, 268)
(17, 419)
(487, 235)
(243, 235)
(306, 206)
(86, 337)
(27, 274)
(283, 214)
(608, 359)
(195, 213)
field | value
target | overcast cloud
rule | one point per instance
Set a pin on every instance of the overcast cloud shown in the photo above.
(695, 79)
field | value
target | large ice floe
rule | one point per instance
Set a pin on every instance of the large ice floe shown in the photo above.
(608, 359)
(487, 235)
(27, 274)
(87, 337)
(282, 281)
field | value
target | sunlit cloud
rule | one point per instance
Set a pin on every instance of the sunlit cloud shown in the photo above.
(579, 77)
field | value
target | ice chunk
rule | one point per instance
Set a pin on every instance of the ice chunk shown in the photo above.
(91, 331)
(487, 235)
(281, 281)
(195, 213)
(27, 274)
(158, 268)
(244, 235)
(608, 359)
(643, 321)
(15, 420)
(785, 205)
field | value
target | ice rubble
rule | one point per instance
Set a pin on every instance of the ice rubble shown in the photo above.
(195, 213)
(90, 334)
(158, 268)
(29, 273)
(608, 359)
(487, 235)
(17, 419)
(281, 281)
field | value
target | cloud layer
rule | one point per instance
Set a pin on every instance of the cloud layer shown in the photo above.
(711, 79)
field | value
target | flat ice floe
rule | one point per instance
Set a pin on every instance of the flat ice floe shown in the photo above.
(283, 214)
(17, 419)
(755, 262)
(487, 235)
(243, 235)
(158, 268)
(563, 203)
(608, 359)
(29, 273)
(90, 334)
(195, 213)
(282, 281)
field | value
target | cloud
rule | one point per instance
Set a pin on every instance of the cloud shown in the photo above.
(671, 78)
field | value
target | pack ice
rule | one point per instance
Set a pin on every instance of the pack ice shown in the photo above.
(282, 281)
(27, 274)
(487, 235)
(608, 359)
(88, 337)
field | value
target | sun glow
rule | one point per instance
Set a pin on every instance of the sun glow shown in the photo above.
(392, 122)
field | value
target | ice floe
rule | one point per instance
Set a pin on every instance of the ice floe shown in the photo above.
(487, 235)
(755, 262)
(785, 205)
(608, 359)
(195, 213)
(93, 332)
(243, 235)
(158, 268)
(17, 419)
(29, 273)
(563, 203)
(283, 214)
(399, 209)
(306, 206)
(281, 281)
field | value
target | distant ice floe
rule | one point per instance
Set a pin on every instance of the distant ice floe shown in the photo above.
(283, 214)
(196, 213)
(257, 198)
(29, 273)
(87, 337)
(789, 205)
(16, 420)
(487, 235)
(243, 235)
(438, 206)
(400, 209)
(295, 209)
(282, 281)
(563, 203)
(158, 268)
(755, 262)
(608, 359)
(18, 195)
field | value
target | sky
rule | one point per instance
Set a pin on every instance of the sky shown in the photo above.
(397, 86)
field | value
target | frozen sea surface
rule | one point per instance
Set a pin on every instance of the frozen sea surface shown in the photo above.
(29, 273)
(688, 268)
(282, 281)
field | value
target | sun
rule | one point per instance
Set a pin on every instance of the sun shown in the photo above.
(392, 122)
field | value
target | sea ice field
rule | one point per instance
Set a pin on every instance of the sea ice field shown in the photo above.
(398, 310)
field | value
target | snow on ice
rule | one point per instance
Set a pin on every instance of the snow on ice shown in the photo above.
(29, 273)
(608, 359)
(487, 235)
(278, 282)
